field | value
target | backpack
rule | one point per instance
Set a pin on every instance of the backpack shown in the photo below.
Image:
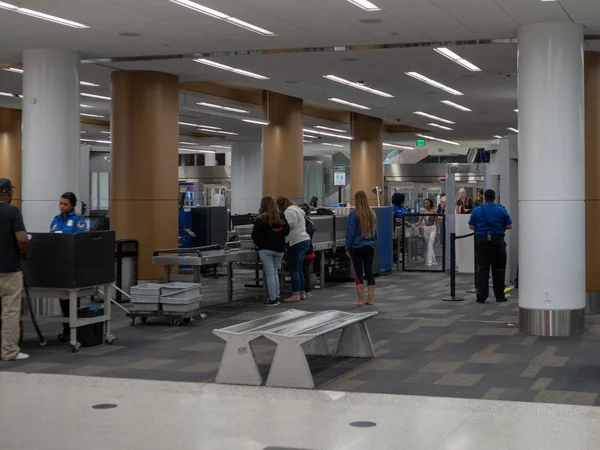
(310, 226)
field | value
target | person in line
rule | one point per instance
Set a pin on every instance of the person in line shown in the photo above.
(479, 200)
(398, 205)
(268, 235)
(442, 206)
(67, 222)
(299, 243)
(464, 205)
(14, 245)
(490, 222)
(429, 222)
(361, 237)
(309, 258)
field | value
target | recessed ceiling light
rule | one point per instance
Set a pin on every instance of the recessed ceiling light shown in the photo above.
(98, 141)
(221, 146)
(6, 94)
(365, 4)
(439, 126)
(105, 132)
(324, 133)
(403, 147)
(91, 115)
(41, 15)
(226, 108)
(208, 62)
(188, 143)
(330, 129)
(87, 83)
(433, 83)
(218, 132)
(420, 113)
(257, 122)
(356, 85)
(344, 102)
(516, 110)
(308, 136)
(514, 130)
(101, 97)
(221, 16)
(85, 106)
(498, 136)
(332, 145)
(437, 139)
(457, 59)
(455, 105)
(14, 69)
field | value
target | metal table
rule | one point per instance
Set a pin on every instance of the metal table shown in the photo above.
(74, 321)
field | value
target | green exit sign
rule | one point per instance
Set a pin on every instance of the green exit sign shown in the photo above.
(420, 142)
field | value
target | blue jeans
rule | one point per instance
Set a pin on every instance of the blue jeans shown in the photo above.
(270, 261)
(295, 261)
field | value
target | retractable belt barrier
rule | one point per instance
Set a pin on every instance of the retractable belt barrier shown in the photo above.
(453, 239)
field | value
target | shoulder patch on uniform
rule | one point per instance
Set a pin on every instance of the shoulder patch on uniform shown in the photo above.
(81, 224)
(70, 223)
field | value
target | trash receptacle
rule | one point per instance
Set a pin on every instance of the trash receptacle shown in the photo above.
(90, 335)
(127, 267)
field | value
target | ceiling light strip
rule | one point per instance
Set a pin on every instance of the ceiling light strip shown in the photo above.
(193, 150)
(217, 65)
(225, 108)
(430, 116)
(366, 5)
(41, 15)
(7, 94)
(229, 133)
(514, 130)
(403, 147)
(324, 133)
(321, 127)
(433, 83)
(98, 141)
(457, 59)
(257, 122)
(332, 145)
(455, 105)
(439, 126)
(437, 139)
(357, 85)
(92, 115)
(222, 16)
(497, 136)
(344, 102)
(101, 97)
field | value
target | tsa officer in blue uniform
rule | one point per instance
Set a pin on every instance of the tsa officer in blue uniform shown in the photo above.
(490, 222)
(67, 222)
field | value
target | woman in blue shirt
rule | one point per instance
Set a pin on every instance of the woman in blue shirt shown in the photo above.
(398, 205)
(361, 236)
(67, 222)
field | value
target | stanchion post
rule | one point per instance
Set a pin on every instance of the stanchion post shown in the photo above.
(473, 290)
(453, 297)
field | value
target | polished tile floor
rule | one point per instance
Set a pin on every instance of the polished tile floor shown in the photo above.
(58, 412)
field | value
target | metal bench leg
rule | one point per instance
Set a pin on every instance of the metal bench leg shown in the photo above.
(317, 347)
(355, 342)
(238, 365)
(290, 367)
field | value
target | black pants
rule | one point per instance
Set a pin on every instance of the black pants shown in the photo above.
(64, 305)
(307, 268)
(362, 258)
(490, 254)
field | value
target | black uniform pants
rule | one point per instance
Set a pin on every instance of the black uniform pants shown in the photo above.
(490, 254)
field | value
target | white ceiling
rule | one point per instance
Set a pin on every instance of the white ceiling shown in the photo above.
(166, 28)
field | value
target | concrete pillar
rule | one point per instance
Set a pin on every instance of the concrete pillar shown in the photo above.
(551, 180)
(50, 133)
(366, 156)
(246, 177)
(10, 149)
(144, 178)
(283, 151)
(592, 180)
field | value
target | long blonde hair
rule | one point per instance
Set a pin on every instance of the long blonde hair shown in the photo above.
(368, 220)
(270, 212)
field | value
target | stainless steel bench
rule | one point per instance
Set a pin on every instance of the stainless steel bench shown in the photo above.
(297, 334)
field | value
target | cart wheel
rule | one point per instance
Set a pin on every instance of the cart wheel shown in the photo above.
(75, 347)
(175, 323)
(144, 319)
(43, 343)
(110, 340)
(132, 321)
(187, 320)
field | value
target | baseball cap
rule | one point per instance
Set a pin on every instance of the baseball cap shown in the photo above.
(5, 185)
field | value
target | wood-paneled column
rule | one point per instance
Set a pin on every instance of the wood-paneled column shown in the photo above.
(366, 156)
(10, 149)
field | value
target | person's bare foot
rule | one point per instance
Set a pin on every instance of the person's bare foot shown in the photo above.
(358, 303)
(292, 299)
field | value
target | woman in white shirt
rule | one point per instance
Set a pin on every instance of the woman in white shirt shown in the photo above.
(299, 243)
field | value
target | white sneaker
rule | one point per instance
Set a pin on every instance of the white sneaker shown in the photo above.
(22, 356)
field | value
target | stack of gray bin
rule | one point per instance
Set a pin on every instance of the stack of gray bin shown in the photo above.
(146, 297)
(180, 297)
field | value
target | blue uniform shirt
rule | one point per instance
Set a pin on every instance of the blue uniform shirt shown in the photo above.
(399, 211)
(69, 225)
(497, 218)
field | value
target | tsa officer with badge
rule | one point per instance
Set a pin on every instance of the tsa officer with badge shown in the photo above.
(490, 222)
(67, 222)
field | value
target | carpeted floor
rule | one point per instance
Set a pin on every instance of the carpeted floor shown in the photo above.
(424, 346)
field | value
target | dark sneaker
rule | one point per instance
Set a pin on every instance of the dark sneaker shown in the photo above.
(480, 301)
(271, 304)
(500, 300)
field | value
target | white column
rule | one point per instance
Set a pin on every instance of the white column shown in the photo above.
(551, 179)
(210, 159)
(246, 177)
(50, 133)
